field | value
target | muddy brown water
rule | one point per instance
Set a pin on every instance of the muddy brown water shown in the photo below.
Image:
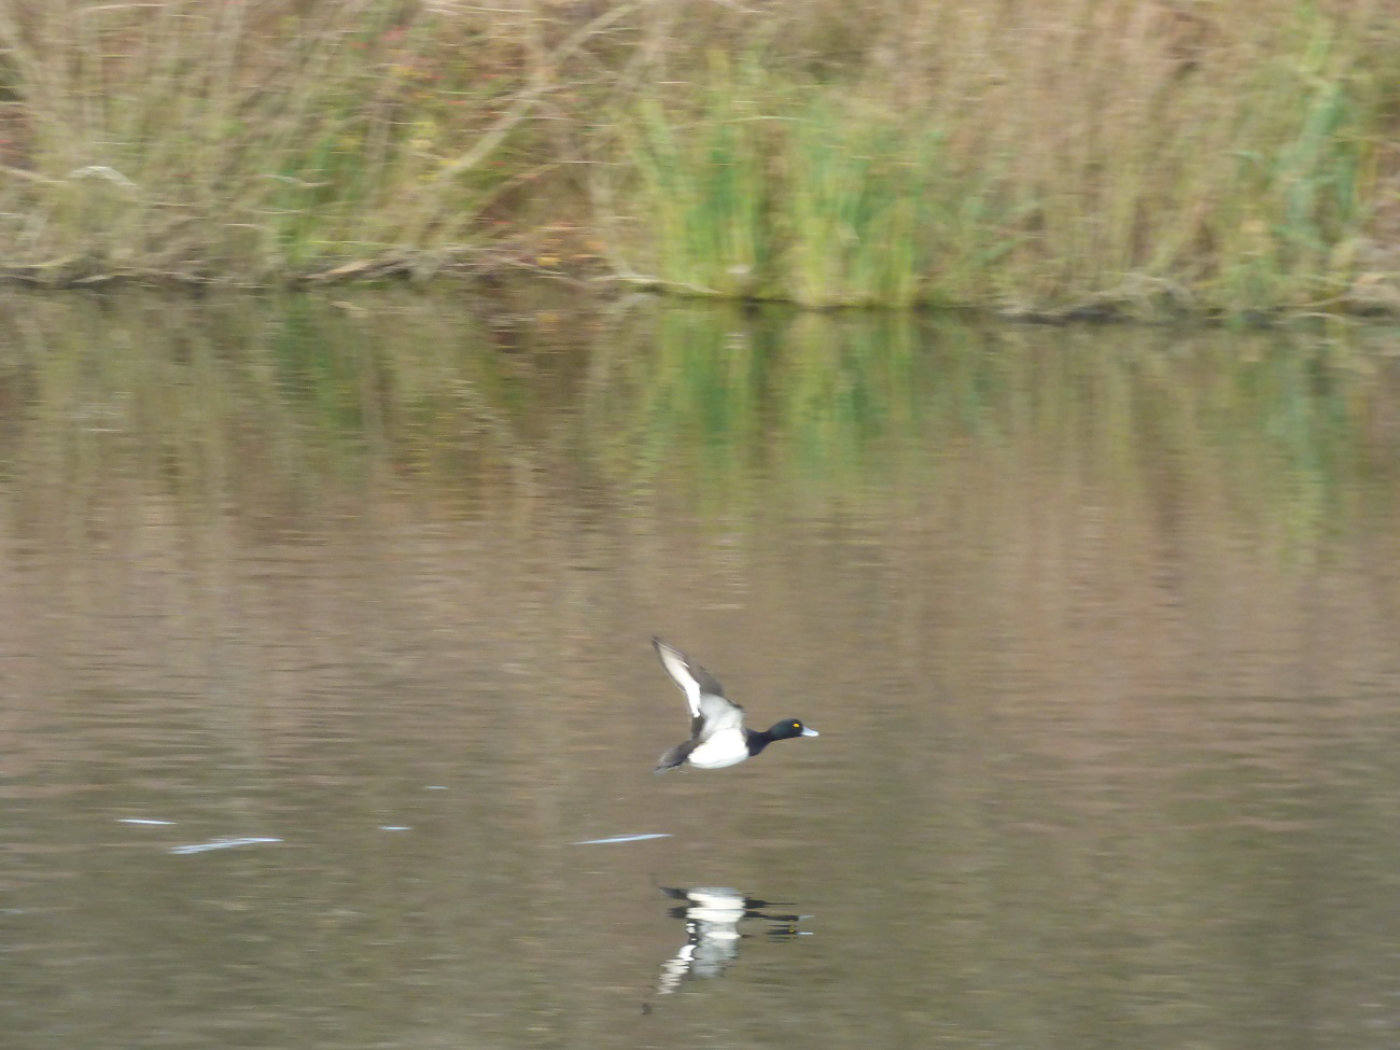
(324, 651)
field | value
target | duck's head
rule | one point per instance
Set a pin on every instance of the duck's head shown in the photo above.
(790, 727)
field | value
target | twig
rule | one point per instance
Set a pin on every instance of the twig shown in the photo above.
(529, 98)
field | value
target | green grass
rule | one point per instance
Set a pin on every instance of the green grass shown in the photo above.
(1102, 155)
(856, 222)
(1241, 183)
(706, 190)
(217, 141)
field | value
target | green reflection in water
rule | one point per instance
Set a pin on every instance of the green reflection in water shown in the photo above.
(251, 400)
(842, 404)
(1102, 784)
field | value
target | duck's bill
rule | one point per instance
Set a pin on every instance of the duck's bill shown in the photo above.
(809, 731)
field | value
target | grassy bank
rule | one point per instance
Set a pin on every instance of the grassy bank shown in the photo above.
(1079, 157)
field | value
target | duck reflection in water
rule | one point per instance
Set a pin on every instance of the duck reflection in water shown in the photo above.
(712, 916)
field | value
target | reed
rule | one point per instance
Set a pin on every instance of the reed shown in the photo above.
(1074, 157)
(162, 137)
(245, 141)
(856, 207)
(1055, 157)
(705, 190)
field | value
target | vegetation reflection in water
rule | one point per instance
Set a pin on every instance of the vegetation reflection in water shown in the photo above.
(228, 397)
(843, 405)
(152, 437)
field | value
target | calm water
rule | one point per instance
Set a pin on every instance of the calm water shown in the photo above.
(325, 643)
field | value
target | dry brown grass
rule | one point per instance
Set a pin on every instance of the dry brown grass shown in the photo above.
(1170, 154)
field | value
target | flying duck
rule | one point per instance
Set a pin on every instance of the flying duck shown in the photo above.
(718, 737)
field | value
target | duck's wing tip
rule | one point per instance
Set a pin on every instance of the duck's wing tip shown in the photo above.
(674, 757)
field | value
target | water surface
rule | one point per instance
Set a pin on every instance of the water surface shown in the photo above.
(326, 678)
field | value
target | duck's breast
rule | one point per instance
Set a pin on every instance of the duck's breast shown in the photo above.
(724, 748)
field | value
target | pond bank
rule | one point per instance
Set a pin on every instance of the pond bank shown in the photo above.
(1058, 161)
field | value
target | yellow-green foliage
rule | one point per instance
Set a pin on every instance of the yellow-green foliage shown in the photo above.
(705, 189)
(223, 139)
(1025, 154)
(1104, 155)
(856, 200)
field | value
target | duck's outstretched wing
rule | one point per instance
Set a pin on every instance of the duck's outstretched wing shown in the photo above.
(674, 757)
(694, 681)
